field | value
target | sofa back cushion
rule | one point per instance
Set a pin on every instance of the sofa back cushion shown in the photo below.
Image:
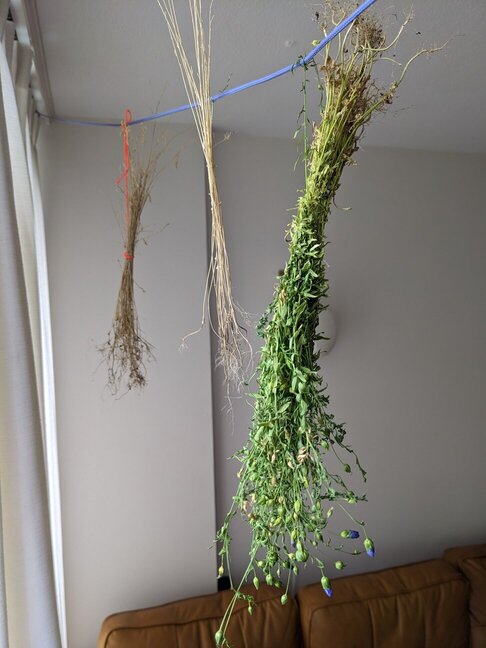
(193, 622)
(471, 561)
(414, 606)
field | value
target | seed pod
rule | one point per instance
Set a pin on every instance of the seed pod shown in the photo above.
(325, 582)
(284, 599)
(218, 637)
(302, 556)
(256, 583)
(339, 564)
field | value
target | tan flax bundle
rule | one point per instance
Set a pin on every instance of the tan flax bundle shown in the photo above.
(234, 354)
(126, 351)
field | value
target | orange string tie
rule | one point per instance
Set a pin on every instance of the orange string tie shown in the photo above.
(125, 174)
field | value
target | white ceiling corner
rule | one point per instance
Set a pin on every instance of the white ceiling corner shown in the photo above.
(105, 56)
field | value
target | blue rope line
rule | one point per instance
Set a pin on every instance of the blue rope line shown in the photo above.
(232, 91)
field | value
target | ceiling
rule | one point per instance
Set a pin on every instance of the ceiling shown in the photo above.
(104, 56)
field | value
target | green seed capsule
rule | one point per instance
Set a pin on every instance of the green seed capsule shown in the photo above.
(284, 599)
(256, 583)
(269, 579)
(339, 564)
(302, 556)
(218, 637)
(261, 564)
(347, 468)
(325, 582)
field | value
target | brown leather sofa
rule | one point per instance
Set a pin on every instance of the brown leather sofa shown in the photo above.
(433, 604)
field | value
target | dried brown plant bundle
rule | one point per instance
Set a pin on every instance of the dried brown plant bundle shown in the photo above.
(234, 353)
(126, 351)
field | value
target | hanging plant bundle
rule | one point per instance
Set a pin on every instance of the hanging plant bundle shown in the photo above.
(126, 351)
(294, 469)
(234, 353)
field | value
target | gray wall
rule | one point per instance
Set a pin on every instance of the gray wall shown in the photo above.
(407, 268)
(136, 473)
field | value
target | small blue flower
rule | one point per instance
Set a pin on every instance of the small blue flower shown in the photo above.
(350, 533)
(326, 585)
(370, 547)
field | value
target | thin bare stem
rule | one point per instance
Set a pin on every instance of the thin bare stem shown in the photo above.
(235, 353)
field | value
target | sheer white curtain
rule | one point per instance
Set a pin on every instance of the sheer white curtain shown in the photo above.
(32, 610)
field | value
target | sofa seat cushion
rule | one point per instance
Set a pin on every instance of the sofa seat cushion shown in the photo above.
(193, 623)
(416, 606)
(471, 561)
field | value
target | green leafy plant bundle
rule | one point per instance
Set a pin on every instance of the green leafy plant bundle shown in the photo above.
(289, 484)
